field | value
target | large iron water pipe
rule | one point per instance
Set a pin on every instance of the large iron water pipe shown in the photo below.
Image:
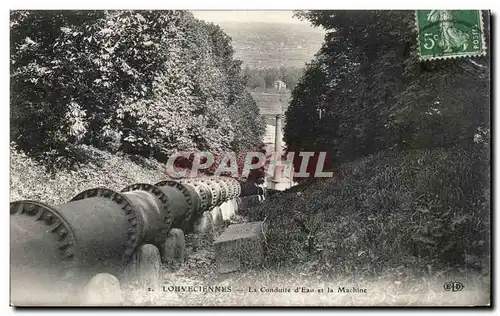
(98, 231)
(155, 209)
(203, 191)
(57, 249)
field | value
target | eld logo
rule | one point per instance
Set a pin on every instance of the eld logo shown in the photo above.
(453, 286)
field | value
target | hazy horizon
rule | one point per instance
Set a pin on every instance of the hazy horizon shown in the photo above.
(284, 17)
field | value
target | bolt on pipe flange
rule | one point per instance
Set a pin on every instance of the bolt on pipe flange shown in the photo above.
(155, 209)
(202, 186)
(178, 204)
(49, 216)
(212, 190)
(232, 185)
(237, 186)
(202, 194)
(219, 187)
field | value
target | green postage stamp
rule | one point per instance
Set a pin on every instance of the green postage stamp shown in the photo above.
(450, 33)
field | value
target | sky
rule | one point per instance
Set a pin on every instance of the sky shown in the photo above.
(248, 16)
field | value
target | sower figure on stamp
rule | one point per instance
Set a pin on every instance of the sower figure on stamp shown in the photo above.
(451, 38)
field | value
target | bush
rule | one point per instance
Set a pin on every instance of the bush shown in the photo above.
(29, 179)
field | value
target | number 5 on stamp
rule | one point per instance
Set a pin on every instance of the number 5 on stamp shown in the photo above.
(450, 33)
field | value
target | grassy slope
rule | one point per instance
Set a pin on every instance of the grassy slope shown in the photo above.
(423, 210)
(377, 230)
(29, 179)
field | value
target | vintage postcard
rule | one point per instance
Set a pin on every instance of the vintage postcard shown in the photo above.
(250, 158)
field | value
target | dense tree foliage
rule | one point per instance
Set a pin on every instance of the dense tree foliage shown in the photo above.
(408, 137)
(374, 93)
(145, 82)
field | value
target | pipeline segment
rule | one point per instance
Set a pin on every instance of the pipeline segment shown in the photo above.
(99, 230)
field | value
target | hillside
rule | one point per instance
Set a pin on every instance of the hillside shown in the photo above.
(29, 179)
(393, 216)
(262, 45)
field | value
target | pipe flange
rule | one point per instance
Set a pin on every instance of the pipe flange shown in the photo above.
(229, 187)
(185, 192)
(224, 190)
(205, 187)
(133, 218)
(214, 189)
(162, 197)
(231, 183)
(202, 193)
(57, 225)
(50, 217)
(237, 187)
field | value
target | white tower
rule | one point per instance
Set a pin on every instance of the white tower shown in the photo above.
(279, 86)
